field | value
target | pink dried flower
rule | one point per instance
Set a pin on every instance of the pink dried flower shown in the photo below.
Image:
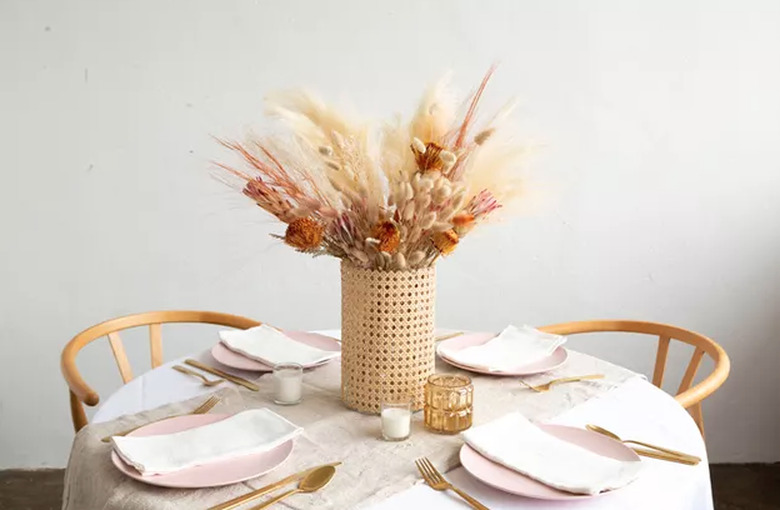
(482, 204)
(269, 199)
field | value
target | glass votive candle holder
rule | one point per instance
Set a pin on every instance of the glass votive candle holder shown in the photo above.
(396, 420)
(288, 383)
(449, 403)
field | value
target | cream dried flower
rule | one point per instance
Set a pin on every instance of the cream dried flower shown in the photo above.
(338, 187)
(416, 257)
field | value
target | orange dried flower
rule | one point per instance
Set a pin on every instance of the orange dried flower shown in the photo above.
(429, 160)
(304, 234)
(463, 223)
(463, 220)
(388, 235)
(445, 241)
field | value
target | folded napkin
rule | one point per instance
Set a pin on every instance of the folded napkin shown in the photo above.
(270, 346)
(245, 433)
(518, 444)
(513, 347)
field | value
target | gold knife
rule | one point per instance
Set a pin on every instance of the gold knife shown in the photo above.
(236, 502)
(215, 371)
(447, 336)
(664, 456)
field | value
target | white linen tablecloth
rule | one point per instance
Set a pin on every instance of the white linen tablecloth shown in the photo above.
(635, 408)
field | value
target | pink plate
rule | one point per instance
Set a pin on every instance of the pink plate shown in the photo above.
(553, 361)
(223, 472)
(236, 360)
(507, 480)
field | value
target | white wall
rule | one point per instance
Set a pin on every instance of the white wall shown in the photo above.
(661, 168)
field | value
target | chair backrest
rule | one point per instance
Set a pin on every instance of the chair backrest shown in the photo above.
(690, 397)
(82, 393)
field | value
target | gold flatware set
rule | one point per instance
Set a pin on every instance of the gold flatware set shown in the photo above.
(314, 481)
(447, 336)
(436, 481)
(548, 385)
(224, 375)
(655, 452)
(320, 475)
(205, 407)
(206, 381)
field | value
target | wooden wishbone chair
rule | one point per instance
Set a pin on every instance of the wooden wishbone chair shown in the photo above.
(81, 393)
(690, 397)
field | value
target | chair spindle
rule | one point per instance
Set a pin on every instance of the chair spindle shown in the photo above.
(120, 356)
(155, 344)
(660, 359)
(690, 372)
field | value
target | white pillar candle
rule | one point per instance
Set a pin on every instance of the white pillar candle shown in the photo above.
(288, 383)
(396, 423)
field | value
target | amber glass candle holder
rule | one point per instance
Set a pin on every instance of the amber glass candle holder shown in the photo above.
(449, 403)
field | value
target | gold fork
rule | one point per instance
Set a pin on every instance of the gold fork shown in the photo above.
(546, 386)
(206, 381)
(437, 482)
(205, 407)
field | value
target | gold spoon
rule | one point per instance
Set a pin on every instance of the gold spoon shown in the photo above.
(206, 381)
(315, 480)
(546, 386)
(605, 432)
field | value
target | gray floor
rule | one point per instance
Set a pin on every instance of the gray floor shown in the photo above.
(736, 487)
(746, 486)
(31, 490)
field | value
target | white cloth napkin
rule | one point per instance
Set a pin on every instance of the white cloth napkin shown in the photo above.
(270, 346)
(513, 347)
(244, 433)
(518, 444)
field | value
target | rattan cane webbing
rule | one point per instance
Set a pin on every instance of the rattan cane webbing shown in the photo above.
(387, 323)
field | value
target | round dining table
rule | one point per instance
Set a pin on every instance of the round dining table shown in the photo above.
(635, 406)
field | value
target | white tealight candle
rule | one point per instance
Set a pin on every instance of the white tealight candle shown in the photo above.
(396, 421)
(288, 383)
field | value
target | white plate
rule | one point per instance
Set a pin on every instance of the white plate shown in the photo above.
(236, 360)
(214, 474)
(553, 361)
(508, 480)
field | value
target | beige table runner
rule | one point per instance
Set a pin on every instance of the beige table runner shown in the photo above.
(372, 469)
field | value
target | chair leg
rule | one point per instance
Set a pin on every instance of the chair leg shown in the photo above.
(696, 414)
(77, 412)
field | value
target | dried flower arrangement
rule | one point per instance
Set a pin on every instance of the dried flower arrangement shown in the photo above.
(396, 201)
